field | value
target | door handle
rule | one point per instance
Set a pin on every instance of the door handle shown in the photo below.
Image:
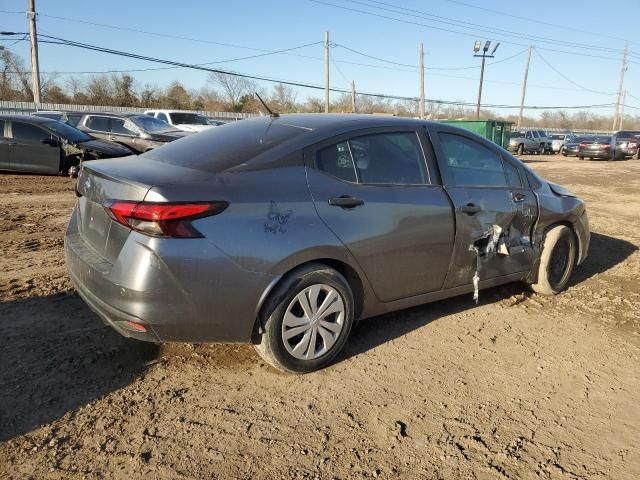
(470, 209)
(113, 139)
(346, 201)
(518, 197)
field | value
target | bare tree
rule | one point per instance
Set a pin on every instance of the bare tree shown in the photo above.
(283, 98)
(233, 88)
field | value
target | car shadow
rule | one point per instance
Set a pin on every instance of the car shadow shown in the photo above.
(57, 356)
(605, 252)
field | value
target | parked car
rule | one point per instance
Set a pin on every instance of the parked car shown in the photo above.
(545, 141)
(41, 145)
(72, 118)
(596, 147)
(572, 145)
(136, 131)
(528, 141)
(185, 121)
(626, 144)
(285, 231)
(558, 141)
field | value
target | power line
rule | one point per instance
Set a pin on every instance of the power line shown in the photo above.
(426, 68)
(567, 78)
(411, 22)
(458, 23)
(62, 41)
(536, 20)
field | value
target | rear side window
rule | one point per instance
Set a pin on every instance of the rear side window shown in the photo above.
(471, 164)
(118, 125)
(385, 158)
(27, 132)
(99, 124)
(336, 160)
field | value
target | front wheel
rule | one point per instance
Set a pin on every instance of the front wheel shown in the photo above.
(307, 320)
(520, 150)
(556, 261)
(541, 150)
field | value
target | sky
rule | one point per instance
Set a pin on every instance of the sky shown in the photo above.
(221, 31)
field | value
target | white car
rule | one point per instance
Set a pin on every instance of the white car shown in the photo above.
(185, 121)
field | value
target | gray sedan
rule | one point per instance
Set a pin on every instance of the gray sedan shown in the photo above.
(285, 231)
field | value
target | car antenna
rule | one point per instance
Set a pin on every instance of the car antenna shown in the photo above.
(271, 113)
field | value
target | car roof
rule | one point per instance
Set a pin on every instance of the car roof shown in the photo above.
(26, 118)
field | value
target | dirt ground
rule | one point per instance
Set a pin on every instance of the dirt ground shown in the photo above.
(519, 386)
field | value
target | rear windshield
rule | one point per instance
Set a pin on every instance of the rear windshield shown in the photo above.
(180, 118)
(67, 132)
(227, 146)
(628, 134)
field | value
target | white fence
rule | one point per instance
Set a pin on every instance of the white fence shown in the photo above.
(26, 108)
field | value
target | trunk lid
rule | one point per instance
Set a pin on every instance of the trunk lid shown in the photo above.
(97, 184)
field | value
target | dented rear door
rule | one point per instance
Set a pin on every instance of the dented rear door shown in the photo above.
(494, 211)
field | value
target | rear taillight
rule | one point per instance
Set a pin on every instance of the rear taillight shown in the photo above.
(162, 219)
(583, 145)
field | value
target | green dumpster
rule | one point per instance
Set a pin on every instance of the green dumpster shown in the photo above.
(498, 131)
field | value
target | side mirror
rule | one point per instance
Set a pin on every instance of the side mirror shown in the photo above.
(52, 142)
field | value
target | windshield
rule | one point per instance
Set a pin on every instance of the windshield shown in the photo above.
(151, 125)
(67, 132)
(180, 118)
(517, 134)
(557, 137)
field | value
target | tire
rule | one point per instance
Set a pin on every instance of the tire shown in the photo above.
(294, 354)
(556, 261)
(581, 158)
(520, 150)
(563, 151)
(541, 150)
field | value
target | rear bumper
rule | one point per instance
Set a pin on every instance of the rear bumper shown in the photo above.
(599, 154)
(178, 291)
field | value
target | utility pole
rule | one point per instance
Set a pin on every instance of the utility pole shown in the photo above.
(624, 100)
(35, 69)
(484, 55)
(622, 70)
(326, 72)
(524, 87)
(421, 60)
(353, 96)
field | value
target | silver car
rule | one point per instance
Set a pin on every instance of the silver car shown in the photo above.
(284, 231)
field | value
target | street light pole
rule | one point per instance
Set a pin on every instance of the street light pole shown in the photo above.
(484, 55)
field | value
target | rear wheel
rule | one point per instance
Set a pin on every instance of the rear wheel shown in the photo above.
(541, 150)
(581, 158)
(308, 320)
(520, 150)
(563, 151)
(556, 261)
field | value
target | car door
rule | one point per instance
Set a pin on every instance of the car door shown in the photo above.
(97, 126)
(4, 146)
(494, 208)
(33, 149)
(380, 196)
(124, 132)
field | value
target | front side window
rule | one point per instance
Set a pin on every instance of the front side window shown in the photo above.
(471, 164)
(513, 177)
(27, 132)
